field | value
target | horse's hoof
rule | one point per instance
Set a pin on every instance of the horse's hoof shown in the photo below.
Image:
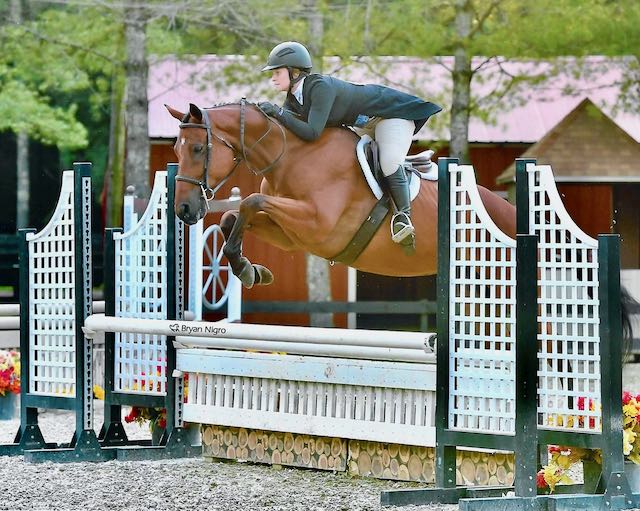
(263, 275)
(247, 274)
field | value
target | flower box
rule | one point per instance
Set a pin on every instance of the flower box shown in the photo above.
(9, 406)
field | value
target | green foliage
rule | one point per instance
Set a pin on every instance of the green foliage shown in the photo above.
(56, 70)
(24, 110)
(44, 74)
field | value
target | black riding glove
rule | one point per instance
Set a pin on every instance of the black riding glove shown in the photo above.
(271, 110)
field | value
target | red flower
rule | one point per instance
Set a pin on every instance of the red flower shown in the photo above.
(162, 422)
(581, 403)
(133, 414)
(15, 387)
(626, 397)
(554, 448)
(540, 481)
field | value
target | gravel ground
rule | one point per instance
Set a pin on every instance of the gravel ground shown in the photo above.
(176, 484)
(186, 484)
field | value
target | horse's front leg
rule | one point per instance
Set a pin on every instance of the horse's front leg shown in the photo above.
(227, 221)
(249, 274)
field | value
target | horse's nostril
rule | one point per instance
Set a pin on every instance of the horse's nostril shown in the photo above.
(184, 210)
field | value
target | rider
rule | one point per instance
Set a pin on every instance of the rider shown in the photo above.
(389, 116)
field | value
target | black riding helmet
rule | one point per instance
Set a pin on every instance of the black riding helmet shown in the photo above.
(291, 55)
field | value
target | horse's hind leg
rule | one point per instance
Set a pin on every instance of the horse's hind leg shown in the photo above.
(249, 274)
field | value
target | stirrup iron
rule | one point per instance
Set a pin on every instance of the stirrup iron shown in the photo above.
(405, 231)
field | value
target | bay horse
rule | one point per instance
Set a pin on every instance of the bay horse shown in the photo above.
(313, 196)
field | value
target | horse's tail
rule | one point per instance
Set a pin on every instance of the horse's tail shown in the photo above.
(629, 305)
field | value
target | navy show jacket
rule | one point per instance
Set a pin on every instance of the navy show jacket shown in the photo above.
(329, 101)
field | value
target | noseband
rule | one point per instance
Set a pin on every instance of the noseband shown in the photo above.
(208, 193)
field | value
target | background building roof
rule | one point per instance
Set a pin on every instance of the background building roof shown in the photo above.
(523, 113)
(585, 146)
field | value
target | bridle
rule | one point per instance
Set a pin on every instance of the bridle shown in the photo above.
(239, 156)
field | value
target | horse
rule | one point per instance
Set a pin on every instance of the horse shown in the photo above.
(313, 196)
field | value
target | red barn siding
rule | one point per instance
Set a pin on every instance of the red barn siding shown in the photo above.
(589, 206)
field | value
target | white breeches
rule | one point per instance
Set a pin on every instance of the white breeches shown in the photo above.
(394, 140)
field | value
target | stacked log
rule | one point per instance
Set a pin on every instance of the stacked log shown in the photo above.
(484, 468)
(359, 457)
(274, 447)
(391, 461)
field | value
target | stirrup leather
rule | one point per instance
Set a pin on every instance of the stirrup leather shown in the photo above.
(406, 229)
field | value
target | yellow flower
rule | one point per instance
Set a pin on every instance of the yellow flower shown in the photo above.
(628, 437)
(630, 410)
(564, 461)
(554, 475)
(98, 392)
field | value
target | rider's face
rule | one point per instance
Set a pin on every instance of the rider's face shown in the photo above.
(280, 79)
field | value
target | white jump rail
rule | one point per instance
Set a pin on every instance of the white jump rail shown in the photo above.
(273, 337)
(10, 314)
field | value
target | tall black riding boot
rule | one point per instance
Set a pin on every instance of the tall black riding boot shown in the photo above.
(402, 230)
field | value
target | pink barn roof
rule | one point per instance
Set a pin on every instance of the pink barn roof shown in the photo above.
(211, 79)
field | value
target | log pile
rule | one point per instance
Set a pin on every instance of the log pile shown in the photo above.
(391, 461)
(359, 457)
(274, 447)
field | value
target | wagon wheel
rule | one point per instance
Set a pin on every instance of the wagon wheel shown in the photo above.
(215, 274)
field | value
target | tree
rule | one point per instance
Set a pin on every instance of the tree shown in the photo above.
(136, 66)
(26, 104)
(22, 150)
(318, 278)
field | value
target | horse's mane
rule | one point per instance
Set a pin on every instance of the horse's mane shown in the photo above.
(230, 103)
(219, 105)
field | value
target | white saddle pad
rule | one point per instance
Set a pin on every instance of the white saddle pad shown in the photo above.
(414, 180)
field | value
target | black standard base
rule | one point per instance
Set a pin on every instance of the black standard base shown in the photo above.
(113, 435)
(501, 499)
(177, 445)
(85, 448)
(29, 438)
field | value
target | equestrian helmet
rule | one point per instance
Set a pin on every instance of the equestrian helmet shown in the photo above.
(289, 54)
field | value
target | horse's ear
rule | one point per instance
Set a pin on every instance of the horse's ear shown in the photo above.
(195, 112)
(174, 113)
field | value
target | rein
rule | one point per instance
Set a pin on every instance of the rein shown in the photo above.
(208, 193)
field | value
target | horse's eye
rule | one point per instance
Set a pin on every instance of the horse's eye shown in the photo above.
(198, 148)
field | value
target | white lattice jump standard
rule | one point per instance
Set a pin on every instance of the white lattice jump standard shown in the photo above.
(529, 330)
(144, 278)
(55, 298)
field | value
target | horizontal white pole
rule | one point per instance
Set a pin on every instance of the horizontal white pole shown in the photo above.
(9, 339)
(10, 309)
(13, 309)
(10, 323)
(309, 348)
(421, 341)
